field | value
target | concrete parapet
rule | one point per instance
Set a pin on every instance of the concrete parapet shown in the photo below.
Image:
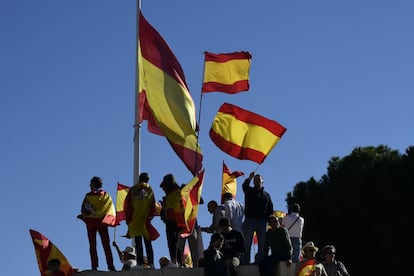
(248, 270)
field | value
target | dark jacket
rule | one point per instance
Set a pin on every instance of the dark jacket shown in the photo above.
(233, 244)
(257, 202)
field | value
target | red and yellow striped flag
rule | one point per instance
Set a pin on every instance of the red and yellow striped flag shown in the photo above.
(307, 268)
(46, 251)
(139, 211)
(228, 73)
(164, 91)
(98, 208)
(121, 193)
(229, 182)
(190, 198)
(243, 134)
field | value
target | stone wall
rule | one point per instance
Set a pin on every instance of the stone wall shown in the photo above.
(250, 270)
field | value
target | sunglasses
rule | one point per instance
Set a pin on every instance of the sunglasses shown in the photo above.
(330, 253)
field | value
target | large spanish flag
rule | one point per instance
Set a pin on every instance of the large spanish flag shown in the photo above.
(228, 73)
(164, 91)
(139, 212)
(121, 193)
(244, 134)
(229, 182)
(190, 198)
(46, 251)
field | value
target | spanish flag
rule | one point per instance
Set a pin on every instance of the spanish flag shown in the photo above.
(46, 254)
(190, 198)
(165, 95)
(98, 209)
(121, 193)
(139, 211)
(172, 207)
(229, 182)
(244, 134)
(306, 268)
(228, 73)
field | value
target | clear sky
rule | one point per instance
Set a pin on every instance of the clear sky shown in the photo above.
(337, 74)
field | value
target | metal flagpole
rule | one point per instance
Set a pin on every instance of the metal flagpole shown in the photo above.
(137, 125)
(198, 126)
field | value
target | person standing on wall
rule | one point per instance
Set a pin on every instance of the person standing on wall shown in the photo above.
(258, 206)
(171, 214)
(139, 211)
(293, 222)
(98, 212)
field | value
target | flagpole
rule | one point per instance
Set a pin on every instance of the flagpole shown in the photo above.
(201, 99)
(199, 116)
(137, 125)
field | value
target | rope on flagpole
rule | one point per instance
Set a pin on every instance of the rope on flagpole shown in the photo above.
(198, 123)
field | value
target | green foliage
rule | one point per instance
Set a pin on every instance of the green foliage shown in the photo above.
(361, 205)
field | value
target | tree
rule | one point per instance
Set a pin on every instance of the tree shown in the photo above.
(361, 205)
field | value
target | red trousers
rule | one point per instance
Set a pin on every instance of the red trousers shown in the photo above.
(103, 233)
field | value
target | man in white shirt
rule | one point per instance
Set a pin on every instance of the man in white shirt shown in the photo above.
(293, 222)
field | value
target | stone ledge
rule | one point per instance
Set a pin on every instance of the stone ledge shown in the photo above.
(248, 270)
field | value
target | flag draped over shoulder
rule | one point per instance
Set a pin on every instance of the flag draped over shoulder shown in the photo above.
(121, 193)
(228, 73)
(46, 251)
(244, 134)
(172, 207)
(190, 198)
(306, 268)
(98, 208)
(164, 96)
(139, 212)
(229, 182)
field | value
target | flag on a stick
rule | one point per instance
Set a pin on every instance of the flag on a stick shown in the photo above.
(244, 134)
(165, 94)
(49, 258)
(229, 182)
(121, 193)
(190, 198)
(228, 73)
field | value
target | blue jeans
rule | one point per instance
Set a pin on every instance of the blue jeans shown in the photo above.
(296, 245)
(251, 225)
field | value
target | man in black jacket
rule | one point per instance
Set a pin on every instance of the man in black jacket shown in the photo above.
(233, 246)
(258, 206)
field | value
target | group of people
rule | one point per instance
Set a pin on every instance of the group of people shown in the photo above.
(242, 221)
(232, 228)
(98, 213)
(279, 239)
(329, 266)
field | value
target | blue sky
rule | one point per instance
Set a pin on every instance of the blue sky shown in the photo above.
(337, 74)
